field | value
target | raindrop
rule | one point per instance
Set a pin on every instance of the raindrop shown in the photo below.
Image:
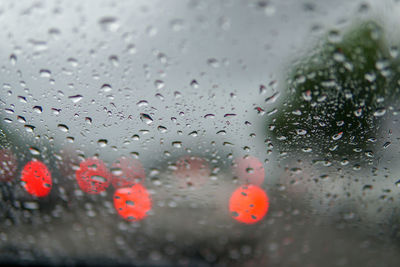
(38, 109)
(229, 115)
(109, 24)
(73, 62)
(142, 103)
(307, 95)
(358, 112)
(379, 112)
(159, 84)
(337, 136)
(114, 60)
(162, 129)
(194, 84)
(176, 25)
(213, 62)
(386, 145)
(146, 118)
(272, 98)
(64, 128)
(29, 128)
(301, 131)
(21, 119)
(177, 144)
(209, 116)
(297, 112)
(151, 31)
(45, 73)
(102, 142)
(106, 88)
(75, 98)
(116, 171)
(13, 59)
(193, 134)
(34, 151)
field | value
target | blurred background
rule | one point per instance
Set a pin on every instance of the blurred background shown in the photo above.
(193, 100)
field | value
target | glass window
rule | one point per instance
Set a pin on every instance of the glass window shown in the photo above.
(196, 133)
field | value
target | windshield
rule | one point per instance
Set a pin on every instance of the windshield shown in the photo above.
(227, 133)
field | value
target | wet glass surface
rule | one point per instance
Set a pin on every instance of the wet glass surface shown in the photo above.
(199, 133)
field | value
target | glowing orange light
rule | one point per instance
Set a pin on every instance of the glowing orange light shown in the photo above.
(8, 165)
(249, 170)
(127, 172)
(132, 203)
(192, 171)
(36, 178)
(248, 204)
(92, 176)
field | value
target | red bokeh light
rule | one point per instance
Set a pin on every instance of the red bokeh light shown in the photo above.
(8, 165)
(192, 171)
(249, 170)
(36, 178)
(132, 203)
(93, 176)
(127, 172)
(248, 204)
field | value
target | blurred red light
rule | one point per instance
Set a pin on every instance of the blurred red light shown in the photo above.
(93, 176)
(36, 178)
(132, 203)
(127, 172)
(248, 204)
(249, 170)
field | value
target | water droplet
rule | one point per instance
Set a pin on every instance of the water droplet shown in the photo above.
(142, 103)
(307, 95)
(34, 151)
(13, 59)
(73, 62)
(193, 134)
(301, 131)
(38, 109)
(114, 60)
(176, 25)
(379, 112)
(337, 136)
(162, 129)
(213, 62)
(194, 84)
(227, 115)
(177, 144)
(159, 84)
(64, 128)
(386, 145)
(88, 120)
(358, 112)
(21, 119)
(371, 77)
(45, 73)
(75, 98)
(106, 88)
(151, 31)
(272, 98)
(109, 24)
(209, 116)
(146, 118)
(102, 142)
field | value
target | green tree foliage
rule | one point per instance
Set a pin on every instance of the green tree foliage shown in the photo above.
(337, 97)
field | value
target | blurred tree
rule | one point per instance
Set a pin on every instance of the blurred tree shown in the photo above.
(336, 98)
